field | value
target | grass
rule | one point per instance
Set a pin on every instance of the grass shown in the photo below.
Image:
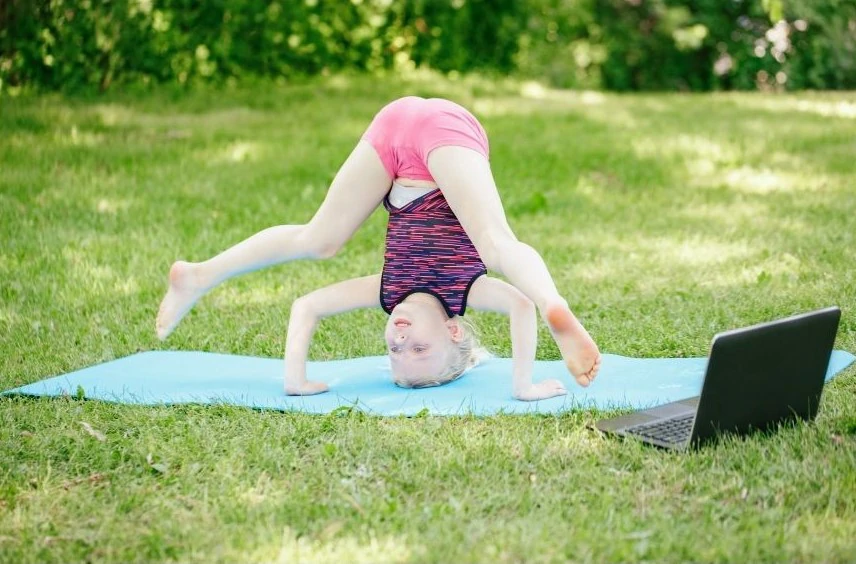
(664, 218)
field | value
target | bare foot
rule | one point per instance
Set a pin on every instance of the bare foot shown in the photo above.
(578, 349)
(183, 292)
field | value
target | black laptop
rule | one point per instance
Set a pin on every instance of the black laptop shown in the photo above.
(757, 378)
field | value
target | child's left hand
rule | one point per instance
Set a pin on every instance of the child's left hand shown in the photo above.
(542, 390)
(307, 388)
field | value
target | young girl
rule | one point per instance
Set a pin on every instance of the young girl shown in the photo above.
(427, 161)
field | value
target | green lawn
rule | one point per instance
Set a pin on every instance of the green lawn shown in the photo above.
(664, 219)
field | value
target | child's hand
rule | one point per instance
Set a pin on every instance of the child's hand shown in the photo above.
(542, 390)
(306, 388)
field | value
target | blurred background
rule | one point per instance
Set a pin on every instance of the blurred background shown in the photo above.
(618, 45)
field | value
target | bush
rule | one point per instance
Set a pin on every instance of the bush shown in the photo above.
(691, 44)
(612, 44)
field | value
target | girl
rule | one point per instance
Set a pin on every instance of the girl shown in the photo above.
(427, 161)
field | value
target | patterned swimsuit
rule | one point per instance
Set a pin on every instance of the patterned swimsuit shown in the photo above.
(427, 251)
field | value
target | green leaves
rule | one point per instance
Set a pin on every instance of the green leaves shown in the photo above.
(774, 8)
(82, 45)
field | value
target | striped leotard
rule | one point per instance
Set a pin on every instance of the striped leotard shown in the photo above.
(428, 251)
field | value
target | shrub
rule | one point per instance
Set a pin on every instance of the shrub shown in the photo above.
(612, 44)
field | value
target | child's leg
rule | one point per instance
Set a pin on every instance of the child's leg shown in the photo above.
(467, 182)
(356, 191)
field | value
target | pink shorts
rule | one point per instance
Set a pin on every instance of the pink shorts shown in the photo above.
(406, 130)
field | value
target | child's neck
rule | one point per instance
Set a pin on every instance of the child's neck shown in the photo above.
(420, 297)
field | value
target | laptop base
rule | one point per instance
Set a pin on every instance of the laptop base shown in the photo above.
(623, 424)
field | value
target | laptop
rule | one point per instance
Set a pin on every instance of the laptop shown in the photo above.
(757, 378)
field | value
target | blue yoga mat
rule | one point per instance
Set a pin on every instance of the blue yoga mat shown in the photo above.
(171, 377)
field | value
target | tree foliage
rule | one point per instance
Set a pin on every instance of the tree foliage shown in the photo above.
(612, 44)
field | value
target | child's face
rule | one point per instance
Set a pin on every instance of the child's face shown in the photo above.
(419, 340)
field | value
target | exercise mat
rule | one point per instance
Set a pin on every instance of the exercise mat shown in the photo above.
(174, 377)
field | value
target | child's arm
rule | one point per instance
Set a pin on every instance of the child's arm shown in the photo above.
(307, 311)
(493, 294)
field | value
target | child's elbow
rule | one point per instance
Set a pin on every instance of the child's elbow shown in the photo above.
(302, 307)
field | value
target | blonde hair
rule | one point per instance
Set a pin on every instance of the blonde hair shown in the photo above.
(466, 353)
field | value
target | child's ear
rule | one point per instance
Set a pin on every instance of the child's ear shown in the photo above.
(455, 331)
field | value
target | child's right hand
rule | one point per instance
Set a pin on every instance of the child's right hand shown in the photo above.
(542, 390)
(306, 388)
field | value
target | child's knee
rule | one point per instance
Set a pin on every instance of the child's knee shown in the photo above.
(493, 247)
(318, 242)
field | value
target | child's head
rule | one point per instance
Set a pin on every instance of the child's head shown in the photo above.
(426, 348)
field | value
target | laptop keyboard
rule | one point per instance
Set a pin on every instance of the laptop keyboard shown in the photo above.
(673, 430)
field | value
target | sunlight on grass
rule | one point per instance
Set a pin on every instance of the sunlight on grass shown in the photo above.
(113, 115)
(343, 549)
(49, 197)
(753, 180)
(339, 82)
(785, 266)
(84, 270)
(842, 109)
(78, 137)
(100, 279)
(264, 491)
(708, 161)
(728, 214)
(729, 265)
(8, 262)
(757, 181)
(532, 97)
(258, 293)
(112, 206)
(577, 440)
(658, 254)
(179, 123)
(839, 532)
(463, 88)
(505, 106)
(536, 91)
(8, 316)
(696, 251)
(703, 153)
(237, 152)
(126, 287)
(536, 99)
(707, 261)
